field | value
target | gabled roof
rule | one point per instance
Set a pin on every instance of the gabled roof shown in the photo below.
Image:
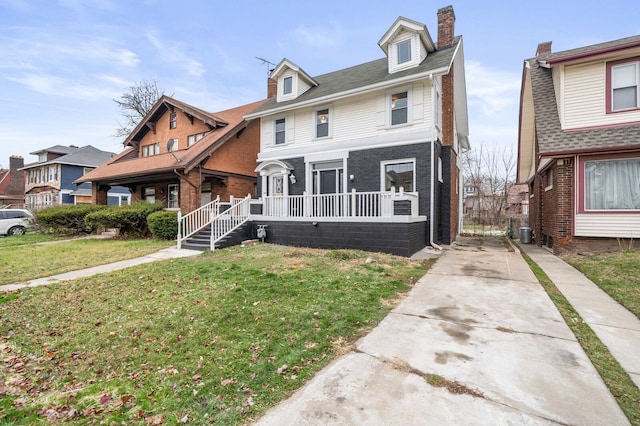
(287, 64)
(168, 103)
(56, 149)
(127, 164)
(86, 156)
(591, 52)
(363, 77)
(401, 24)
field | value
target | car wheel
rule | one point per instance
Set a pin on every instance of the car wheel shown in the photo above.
(17, 230)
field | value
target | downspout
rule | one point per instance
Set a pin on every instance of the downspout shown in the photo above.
(433, 162)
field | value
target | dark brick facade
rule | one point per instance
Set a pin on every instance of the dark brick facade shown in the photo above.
(402, 239)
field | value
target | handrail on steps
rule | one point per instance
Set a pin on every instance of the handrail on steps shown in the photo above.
(196, 220)
(229, 220)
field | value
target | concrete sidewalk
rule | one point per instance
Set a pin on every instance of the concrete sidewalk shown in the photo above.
(481, 324)
(614, 325)
(167, 253)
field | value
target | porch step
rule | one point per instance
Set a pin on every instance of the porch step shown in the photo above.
(201, 240)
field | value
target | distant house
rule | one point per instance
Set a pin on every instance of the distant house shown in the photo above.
(367, 156)
(50, 181)
(12, 183)
(183, 157)
(517, 199)
(579, 145)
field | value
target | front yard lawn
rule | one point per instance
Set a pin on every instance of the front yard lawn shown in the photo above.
(28, 238)
(217, 338)
(618, 274)
(25, 262)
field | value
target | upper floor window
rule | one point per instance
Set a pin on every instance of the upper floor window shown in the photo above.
(404, 51)
(173, 120)
(322, 123)
(42, 157)
(86, 170)
(623, 82)
(280, 131)
(287, 88)
(192, 139)
(149, 150)
(399, 108)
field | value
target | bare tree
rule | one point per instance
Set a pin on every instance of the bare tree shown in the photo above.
(135, 104)
(488, 171)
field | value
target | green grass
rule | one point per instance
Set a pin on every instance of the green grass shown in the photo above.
(28, 238)
(25, 262)
(617, 274)
(617, 380)
(216, 338)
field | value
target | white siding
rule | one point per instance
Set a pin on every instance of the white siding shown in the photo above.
(608, 225)
(356, 118)
(584, 98)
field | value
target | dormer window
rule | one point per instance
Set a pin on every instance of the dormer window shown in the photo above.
(287, 88)
(404, 51)
(623, 84)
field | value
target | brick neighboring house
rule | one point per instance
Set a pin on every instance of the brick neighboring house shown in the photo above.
(579, 145)
(12, 183)
(50, 181)
(183, 157)
(368, 156)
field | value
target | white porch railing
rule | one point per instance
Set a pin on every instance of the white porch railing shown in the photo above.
(351, 204)
(230, 219)
(196, 220)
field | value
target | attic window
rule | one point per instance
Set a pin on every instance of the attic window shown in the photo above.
(288, 86)
(172, 120)
(404, 51)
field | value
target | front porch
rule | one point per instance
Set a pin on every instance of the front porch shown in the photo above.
(373, 221)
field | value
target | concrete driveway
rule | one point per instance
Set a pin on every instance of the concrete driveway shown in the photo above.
(477, 341)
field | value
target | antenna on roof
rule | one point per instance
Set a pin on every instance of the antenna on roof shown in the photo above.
(270, 64)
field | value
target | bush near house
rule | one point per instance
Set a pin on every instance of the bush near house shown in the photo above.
(131, 220)
(163, 225)
(66, 219)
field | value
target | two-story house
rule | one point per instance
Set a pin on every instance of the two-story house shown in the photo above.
(50, 181)
(183, 157)
(367, 156)
(579, 145)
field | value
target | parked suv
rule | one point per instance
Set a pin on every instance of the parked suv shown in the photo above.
(15, 221)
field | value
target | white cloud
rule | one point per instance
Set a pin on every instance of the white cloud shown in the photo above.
(174, 53)
(493, 91)
(319, 37)
(69, 87)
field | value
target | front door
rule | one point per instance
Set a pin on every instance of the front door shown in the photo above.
(327, 179)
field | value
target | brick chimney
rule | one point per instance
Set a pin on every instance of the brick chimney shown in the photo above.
(446, 21)
(272, 87)
(543, 49)
(16, 177)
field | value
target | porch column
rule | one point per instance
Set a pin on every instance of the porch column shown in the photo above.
(99, 194)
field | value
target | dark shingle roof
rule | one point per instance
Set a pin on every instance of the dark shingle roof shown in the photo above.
(552, 139)
(56, 149)
(86, 156)
(364, 75)
(592, 49)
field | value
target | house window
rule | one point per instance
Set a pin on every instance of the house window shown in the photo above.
(150, 195)
(157, 148)
(399, 174)
(86, 170)
(612, 184)
(173, 200)
(145, 151)
(192, 139)
(404, 51)
(322, 123)
(624, 86)
(399, 108)
(173, 118)
(42, 157)
(280, 131)
(287, 88)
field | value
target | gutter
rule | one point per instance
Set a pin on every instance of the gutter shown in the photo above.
(433, 190)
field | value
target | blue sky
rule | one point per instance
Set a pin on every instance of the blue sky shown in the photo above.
(63, 61)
